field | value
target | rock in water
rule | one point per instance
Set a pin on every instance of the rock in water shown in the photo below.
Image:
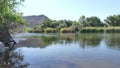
(2, 48)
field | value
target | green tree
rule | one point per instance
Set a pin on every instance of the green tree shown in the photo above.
(46, 23)
(82, 20)
(8, 14)
(76, 25)
(113, 20)
(67, 23)
(54, 24)
(94, 21)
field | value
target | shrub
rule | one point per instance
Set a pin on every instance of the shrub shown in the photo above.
(50, 30)
(117, 29)
(67, 30)
(28, 29)
(36, 31)
(88, 30)
(92, 29)
(112, 29)
(101, 29)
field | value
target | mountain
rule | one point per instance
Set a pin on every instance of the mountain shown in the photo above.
(34, 20)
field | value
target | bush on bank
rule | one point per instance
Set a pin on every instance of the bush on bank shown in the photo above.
(67, 30)
(72, 30)
(92, 29)
(113, 29)
(50, 30)
(100, 30)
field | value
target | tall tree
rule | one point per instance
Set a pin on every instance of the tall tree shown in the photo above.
(76, 25)
(113, 20)
(94, 21)
(46, 23)
(82, 20)
(8, 14)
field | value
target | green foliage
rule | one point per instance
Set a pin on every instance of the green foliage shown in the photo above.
(113, 20)
(113, 29)
(45, 23)
(58, 25)
(37, 30)
(50, 30)
(92, 29)
(85, 24)
(54, 24)
(82, 20)
(93, 21)
(76, 25)
(28, 29)
(67, 30)
(100, 29)
(9, 13)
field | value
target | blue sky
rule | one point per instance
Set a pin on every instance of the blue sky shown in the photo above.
(71, 9)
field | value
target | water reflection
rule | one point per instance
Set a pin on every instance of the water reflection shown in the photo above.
(91, 40)
(12, 59)
(84, 40)
(71, 51)
(113, 40)
(48, 40)
(33, 42)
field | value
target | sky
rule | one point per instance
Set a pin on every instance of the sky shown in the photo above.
(71, 9)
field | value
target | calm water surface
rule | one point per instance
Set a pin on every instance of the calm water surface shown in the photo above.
(67, 50)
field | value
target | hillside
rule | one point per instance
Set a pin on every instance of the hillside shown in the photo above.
(34, 20)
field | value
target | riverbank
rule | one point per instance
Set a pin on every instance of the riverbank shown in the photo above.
(82, 30)
(100, 30)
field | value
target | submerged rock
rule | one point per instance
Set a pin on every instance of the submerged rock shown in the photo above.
(2, 48)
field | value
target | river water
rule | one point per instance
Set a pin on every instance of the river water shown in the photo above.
(93, 50)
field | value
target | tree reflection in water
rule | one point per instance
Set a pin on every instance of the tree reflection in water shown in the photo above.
(85, 40)
(12, 59)
(90, 40)
(113, 41)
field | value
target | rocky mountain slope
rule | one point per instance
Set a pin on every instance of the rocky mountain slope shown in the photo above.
(34, 20)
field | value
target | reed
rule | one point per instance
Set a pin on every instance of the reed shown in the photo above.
(50, 30)
(100, 30)
(67, 30)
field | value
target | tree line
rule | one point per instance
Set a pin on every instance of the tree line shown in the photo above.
(51, 26)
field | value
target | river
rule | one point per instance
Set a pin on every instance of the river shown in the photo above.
(92, 50)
